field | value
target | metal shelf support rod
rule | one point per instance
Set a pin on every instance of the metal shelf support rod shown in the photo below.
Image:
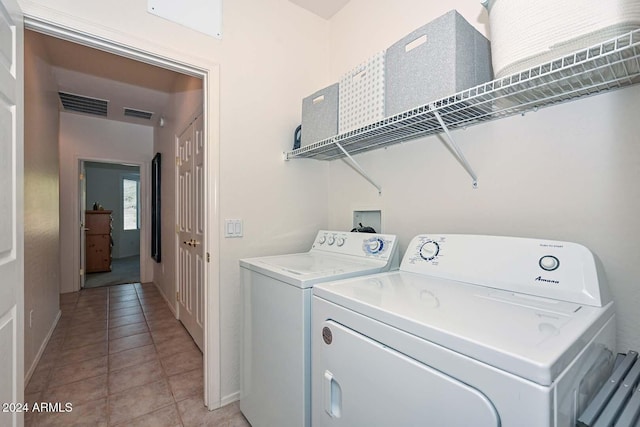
(451, 143)
(359, 168)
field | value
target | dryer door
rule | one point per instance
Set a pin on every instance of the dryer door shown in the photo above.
(365, 383)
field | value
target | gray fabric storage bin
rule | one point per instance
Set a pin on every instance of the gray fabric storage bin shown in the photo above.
(449, 55)
(320, 115)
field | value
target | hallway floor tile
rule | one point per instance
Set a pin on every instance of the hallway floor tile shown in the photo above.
(120, 358)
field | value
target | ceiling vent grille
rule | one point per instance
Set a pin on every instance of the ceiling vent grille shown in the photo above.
(83, 104)
(130, 112)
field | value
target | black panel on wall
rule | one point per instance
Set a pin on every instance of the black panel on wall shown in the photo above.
(155, 208)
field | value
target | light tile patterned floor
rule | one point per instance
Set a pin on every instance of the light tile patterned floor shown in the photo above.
(122, 359)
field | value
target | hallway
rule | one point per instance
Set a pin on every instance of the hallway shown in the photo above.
(123, 270)
(121, 358)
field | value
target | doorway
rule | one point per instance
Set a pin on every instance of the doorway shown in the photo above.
(111, 208)
(208, 74)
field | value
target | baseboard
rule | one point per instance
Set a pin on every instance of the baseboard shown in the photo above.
(43, 347)
(171, 306)
(230, 398)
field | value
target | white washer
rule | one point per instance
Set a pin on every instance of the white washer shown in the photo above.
(471, 331)
(276, 297)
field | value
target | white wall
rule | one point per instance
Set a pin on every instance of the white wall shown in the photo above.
(91, 138)
(104, 185)
(567, 172)
(41, 222)
(272, 54)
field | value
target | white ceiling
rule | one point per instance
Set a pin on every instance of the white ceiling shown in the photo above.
(85, 71)
(323, 8)
(123, 82)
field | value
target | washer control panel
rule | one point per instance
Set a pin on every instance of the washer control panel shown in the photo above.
(559, 270)
(425, 249)
(379, 246)
(374, 245)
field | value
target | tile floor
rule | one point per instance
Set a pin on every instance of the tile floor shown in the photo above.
(122, 359)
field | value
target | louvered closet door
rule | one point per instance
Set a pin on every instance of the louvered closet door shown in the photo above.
(191, 262)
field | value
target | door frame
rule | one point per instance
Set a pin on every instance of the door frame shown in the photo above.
(82, 202)
(89, 34)
(145, 212)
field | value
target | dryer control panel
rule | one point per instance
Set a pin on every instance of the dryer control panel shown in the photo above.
(546, 268)
(369, 245)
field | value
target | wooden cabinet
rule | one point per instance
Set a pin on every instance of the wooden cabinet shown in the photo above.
(98, 241)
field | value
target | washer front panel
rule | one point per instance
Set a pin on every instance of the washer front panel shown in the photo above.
(378, 389)
(518, 402)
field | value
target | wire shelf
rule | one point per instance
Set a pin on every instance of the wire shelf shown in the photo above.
(609, 65)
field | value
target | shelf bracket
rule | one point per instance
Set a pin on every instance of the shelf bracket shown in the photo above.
(451, 144)
(359, 168)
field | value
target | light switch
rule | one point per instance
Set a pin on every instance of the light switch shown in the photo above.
(232, 228)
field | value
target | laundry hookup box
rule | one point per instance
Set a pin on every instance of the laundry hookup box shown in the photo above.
(443, 57)
(320, 115)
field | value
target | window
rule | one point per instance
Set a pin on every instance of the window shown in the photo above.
(131, 203)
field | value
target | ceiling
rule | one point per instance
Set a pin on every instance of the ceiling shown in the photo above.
(125, 83)
(323, 8)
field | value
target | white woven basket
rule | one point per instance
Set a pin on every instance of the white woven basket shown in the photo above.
(527, 33)
(361, 95)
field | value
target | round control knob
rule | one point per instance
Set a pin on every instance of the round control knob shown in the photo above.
(429, 250)
(322, 239)
(331, 240)
(339, 241)
(373, 245)
(549, 262)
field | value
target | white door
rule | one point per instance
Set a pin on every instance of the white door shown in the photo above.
(190, 198)
(83, 228)
(11, 211)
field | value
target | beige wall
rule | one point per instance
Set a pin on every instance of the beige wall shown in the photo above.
(272, 54)
(567, 172)
(90, 138)
(41, 223)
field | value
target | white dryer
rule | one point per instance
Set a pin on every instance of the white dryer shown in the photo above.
(276, 322)
(479, 331)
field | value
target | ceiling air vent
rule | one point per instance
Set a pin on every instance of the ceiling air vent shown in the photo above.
(130, 112)
(83, 104)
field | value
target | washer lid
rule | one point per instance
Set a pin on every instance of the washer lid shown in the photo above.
(306, 269)
(532, 337)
